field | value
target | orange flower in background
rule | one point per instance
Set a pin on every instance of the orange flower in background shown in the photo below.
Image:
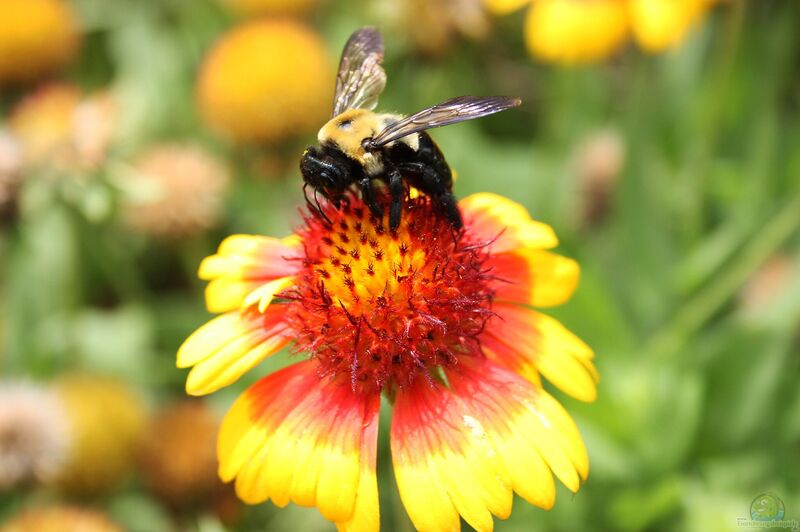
(58, 127)
(266, 81)
(439, 321)
(580, 31)
(177, 457)
(36, 38)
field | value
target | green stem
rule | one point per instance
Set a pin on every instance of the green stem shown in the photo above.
(699, 309)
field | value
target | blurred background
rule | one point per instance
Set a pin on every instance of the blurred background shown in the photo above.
(659, 137)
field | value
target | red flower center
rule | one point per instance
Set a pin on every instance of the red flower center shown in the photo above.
(383, 307)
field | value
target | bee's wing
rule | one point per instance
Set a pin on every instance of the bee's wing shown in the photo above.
(361, 78)
(449, 112)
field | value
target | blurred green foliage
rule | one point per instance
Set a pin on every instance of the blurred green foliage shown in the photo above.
(699, 403)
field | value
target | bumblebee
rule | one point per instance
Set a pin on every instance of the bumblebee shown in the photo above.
(358, 146)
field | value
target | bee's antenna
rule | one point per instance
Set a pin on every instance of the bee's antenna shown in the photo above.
(319, 208)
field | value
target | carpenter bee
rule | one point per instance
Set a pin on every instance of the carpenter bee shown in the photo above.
(358, 146)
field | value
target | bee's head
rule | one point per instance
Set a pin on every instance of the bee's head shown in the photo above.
(323, 171)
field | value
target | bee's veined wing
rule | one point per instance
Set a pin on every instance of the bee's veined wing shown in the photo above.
(454, 110)
(361, 78)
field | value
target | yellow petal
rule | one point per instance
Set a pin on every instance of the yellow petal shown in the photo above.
(504, 223)
(225, 348)
(445, 462)
(294, 437)
(530, 343)
(533, 277)
(264, 295)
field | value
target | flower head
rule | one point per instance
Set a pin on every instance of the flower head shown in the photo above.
(59, 127)
(180, 191)
(105, 419)
(36, 37)
(178, 457)
(33, 434)
(580, 31)
(438, 320)
(266, 80)
(434, 25)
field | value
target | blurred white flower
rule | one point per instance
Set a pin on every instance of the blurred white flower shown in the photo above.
(33, 434)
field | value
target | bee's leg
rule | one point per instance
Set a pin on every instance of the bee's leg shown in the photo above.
(368, 195)
(396, 190)
(434, 186)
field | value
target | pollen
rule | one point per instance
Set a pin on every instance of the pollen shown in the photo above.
(380, 307)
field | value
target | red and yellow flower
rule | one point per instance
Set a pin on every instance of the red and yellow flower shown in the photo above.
(439, 321)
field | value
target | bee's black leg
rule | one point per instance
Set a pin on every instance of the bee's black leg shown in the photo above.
(396, 190)
(447, 202)
(434, 186)
(368, 195)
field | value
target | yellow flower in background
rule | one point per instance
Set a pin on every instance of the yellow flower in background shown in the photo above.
(252, 8)
(36, 38)
(106, 419)
(439, 321)
(660, 24)
(575, 31)
(580, 31)
(60, 519)
(266, 81)
(58, 127)
(175, 190)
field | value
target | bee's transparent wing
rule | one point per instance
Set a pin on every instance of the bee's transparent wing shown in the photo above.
(449, 112)
(361, 78)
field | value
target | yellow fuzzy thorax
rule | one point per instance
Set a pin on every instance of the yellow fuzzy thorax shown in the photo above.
(349, 130)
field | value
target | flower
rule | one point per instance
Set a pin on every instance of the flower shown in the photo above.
(36, 37)
(33, 435)
(179, 191)
(266, 80)
(252, 8)
(571, 31)
(661, 24)
(59, 127)
(580, 31)
(438, 320)
(434, 25)
(106, 420)
(178, 458)
(61, 518)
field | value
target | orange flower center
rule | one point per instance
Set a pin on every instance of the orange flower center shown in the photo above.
(383, 307)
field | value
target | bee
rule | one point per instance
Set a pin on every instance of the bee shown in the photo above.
(358, 146)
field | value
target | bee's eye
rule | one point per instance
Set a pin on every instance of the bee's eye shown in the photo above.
(345, 124)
